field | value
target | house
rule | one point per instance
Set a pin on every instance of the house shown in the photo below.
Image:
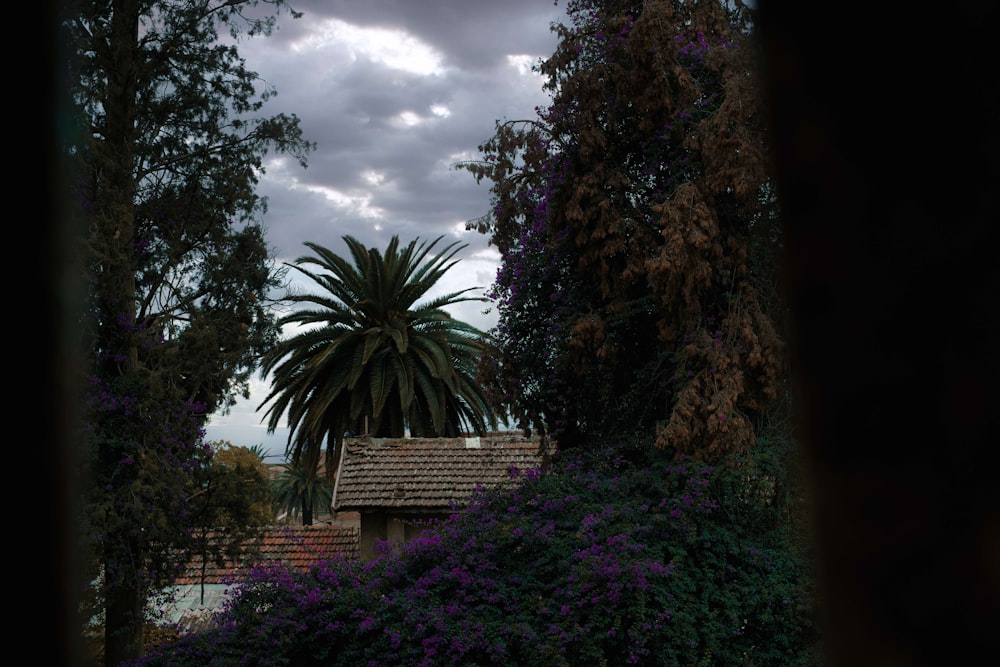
(202, 588)
(397, 486)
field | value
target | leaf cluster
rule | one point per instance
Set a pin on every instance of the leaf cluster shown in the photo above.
(166, 160)
(370, 349)
(622, 557)
(626, 215)
(300, 488)
(164, 147)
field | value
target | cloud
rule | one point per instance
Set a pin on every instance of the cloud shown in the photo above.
(395, 93)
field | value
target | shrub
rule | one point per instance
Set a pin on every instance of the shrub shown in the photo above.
(594, 561)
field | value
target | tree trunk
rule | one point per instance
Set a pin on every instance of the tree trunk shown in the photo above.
(115, 229)
(123, 627)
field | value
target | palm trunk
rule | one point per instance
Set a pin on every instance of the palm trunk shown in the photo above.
(307, 512)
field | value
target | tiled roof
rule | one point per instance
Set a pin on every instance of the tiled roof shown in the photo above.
(428, 474)
(298, 546)
(192, 605)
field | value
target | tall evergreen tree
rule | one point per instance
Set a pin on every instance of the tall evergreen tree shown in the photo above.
(369, 352)
(624, 215)
(166, 152)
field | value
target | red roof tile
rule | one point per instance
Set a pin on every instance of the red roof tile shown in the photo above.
(428, 474)
(298, 546)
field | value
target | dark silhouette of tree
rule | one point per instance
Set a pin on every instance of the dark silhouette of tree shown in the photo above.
(625, 215)
(163, 144)
(301, 488)
(371, 355)
(230, 503)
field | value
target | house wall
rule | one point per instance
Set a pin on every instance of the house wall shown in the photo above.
(388, 527)
(373, 528)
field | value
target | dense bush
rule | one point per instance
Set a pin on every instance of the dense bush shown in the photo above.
(597, 560)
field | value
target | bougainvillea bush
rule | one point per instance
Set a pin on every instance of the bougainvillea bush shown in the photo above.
(599, 559)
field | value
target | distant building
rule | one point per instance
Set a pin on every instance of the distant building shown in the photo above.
(202, 588)
(385, 489)
(398, 485)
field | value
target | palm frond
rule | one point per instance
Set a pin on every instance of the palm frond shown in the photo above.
(370, 345)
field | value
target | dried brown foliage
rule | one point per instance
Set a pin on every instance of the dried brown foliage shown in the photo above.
(656, 110)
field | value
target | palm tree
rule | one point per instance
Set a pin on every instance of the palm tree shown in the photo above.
(299, 487)
(370, 357)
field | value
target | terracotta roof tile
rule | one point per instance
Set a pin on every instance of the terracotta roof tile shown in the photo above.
(298, 546)
(428, 474)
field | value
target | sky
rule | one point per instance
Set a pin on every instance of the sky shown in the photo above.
(394, 93)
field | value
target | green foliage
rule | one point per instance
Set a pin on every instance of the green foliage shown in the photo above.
(234, 491)
(603, 559)
(300, 487)
(370, 353)
(135, 525)
(258, 451)
(165, 158)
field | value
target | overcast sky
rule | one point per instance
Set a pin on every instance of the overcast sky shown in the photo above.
(394, 93)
